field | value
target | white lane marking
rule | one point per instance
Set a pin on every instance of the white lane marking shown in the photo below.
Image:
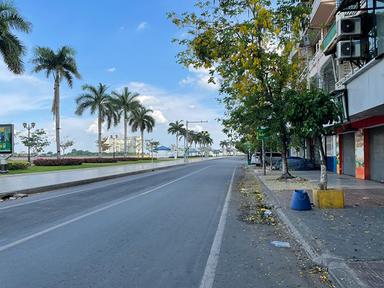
(213, 258)
(45, 231)
(78, 191)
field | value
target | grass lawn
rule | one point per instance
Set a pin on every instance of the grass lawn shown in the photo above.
(35, 169)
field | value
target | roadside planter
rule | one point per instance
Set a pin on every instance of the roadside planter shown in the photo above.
(330, 198)
(300, 200)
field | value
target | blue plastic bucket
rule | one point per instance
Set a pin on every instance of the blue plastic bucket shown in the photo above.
(300, 200)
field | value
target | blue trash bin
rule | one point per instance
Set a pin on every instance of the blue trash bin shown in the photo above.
(300, 200)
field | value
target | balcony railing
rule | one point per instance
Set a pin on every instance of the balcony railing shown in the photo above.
(329, 38)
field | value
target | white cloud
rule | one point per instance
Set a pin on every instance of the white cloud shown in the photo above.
(112, 69)
(22, 93)
(170, 107)
(142, 25)
(201, 78)
(159, 117)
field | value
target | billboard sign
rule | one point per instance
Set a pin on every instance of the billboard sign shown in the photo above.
(6, 138)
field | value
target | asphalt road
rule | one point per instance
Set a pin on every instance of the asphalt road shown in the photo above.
(157, 229)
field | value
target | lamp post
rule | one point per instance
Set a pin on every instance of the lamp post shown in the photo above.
(186, 148)
(29, 127)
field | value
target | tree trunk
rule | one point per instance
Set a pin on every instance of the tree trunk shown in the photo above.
(177, 146)
(142, 144)
(284, 159)
(56, 111)
(323, 167)
(99, 132)
(125, 137)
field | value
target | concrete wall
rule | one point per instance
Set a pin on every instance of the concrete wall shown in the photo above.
(367, 90)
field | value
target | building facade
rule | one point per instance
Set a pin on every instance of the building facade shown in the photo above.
(343, 48)
(116, 145)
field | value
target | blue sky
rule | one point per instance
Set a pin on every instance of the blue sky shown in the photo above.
(119, 43)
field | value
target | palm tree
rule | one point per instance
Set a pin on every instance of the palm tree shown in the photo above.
(10, 46)
(177, 128)
(98, 101)
(141, 120)
(224, 145)
(126, 103)
(205, 140)
(61, 65)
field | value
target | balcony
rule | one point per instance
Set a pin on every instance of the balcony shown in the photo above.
(329, 40)
(322, 12)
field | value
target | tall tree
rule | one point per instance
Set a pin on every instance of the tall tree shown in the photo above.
(176, 128)
(314, 114)
(11, 47)
(97, 99)
(224, 145)
(248, 44)
(61, 65)
(205, 140)
(143, 121)
(126, 103)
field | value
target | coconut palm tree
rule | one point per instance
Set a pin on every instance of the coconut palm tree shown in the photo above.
(61, 65)
(141, 120)
(126, 103)
(10, 46)
(97, 99)
(205, 140)
(224, 145)
(176, 128)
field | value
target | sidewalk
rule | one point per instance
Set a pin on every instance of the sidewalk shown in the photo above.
(39, 182)
(348, 241)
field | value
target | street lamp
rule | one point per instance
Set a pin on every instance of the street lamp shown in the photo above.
(29, 127)
(186, 148)
(114, 144)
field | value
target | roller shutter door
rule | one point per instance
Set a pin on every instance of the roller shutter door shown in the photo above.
(349, 165)
(376, 153)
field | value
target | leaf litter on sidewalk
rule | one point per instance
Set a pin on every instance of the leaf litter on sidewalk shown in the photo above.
(254, 210)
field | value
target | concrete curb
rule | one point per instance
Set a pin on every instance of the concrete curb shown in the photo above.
(92, 180)
(341, 274)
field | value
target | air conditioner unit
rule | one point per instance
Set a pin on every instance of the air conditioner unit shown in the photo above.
(349, 49)
(349, 26)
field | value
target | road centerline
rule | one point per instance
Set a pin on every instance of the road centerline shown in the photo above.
(65, 223)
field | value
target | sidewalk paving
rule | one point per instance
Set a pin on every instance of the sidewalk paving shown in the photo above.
(39, 182)
(348, 241)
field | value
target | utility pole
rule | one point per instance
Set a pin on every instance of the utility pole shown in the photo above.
(186, 147)
(263, 152)
(29, 127)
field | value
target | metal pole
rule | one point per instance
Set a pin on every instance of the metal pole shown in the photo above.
(263, 152)
(185, 146)
(270, 155)
(187, 149)
(29, 146)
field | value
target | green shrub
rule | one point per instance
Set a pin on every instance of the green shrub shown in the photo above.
(57, 162)
(18, 165)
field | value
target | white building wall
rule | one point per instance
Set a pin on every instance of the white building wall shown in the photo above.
(367, 90)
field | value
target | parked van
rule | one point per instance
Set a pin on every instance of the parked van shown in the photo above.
(256, 159)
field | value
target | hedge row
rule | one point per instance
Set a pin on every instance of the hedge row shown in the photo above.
(57, 162)
(98, 160)
(79, 161)
(18, 165)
